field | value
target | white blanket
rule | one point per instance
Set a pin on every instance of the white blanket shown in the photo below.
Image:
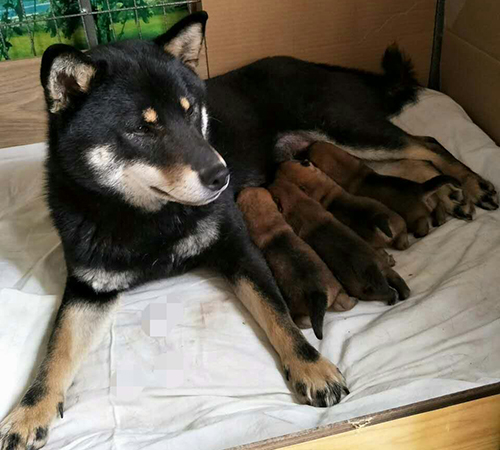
(184, 366)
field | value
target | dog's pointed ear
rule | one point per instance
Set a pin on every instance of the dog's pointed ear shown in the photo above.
(185, 38)
(66, 74)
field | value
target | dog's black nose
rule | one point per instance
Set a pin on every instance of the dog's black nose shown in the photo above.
(215, 177)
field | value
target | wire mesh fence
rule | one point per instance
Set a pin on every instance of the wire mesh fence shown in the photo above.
(28, 27)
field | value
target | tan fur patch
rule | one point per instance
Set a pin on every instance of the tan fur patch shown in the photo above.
(187, 45)
(314, 376)
(266, 317)
(185, 103)
(150, 115)
(79, 328)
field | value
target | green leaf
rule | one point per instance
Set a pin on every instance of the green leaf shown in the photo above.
(19, 9)
(18, 30)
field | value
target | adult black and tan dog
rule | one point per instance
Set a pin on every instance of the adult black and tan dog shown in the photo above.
(138, 192)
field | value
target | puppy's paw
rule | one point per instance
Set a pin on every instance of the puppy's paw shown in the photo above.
(420, 227)
(481, 192)
(386, 257)
(402, 242)
(26, 428)
(317, 383)
(465, 211)
(439, 214)
(456, 202)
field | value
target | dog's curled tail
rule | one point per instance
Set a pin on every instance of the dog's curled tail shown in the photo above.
(401, 85)
(317, 303)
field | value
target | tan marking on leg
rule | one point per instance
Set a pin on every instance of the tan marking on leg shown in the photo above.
(77, 330)
(150, 115)
(418, 171)
(272, 323)
(318, 382)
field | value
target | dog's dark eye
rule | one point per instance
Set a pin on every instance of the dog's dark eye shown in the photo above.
(190, 111)
(142, 129)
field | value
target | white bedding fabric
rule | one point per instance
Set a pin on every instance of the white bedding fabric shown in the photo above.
(207, 377)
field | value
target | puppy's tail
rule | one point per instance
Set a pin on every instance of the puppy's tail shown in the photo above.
(317, 303)
(401, 85)
(432, 185)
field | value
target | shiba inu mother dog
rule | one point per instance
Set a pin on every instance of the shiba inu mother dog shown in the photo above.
(143, 165)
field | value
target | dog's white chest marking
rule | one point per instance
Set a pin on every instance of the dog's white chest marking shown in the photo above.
(206, 233)
(103, 280)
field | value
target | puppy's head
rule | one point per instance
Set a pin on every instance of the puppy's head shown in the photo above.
(335, 162)
(286, 195)
(315, 183)
(256, 202)
(130, 119)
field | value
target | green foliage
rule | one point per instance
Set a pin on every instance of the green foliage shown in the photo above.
(104, 22)
(19, 40)
(5, 32)
(67, 27)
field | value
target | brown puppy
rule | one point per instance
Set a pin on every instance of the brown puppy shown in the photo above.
(373, 221)
(407, 198)
(358, 267)
(304, 280)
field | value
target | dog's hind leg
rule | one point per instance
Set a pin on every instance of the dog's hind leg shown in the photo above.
(314, 379)
(375, 139)
(447, 199)
(476, 190)
(81, 321)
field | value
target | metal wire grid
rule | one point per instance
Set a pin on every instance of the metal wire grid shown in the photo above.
(88, 21)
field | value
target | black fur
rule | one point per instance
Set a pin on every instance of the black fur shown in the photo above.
(97, 102)
(41, 433)
(248, 108)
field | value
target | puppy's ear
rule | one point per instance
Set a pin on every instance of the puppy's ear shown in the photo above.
(66, 74)
(185, 38)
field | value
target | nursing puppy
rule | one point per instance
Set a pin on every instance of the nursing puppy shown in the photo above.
(373, 221)
(357, 266)
(306, 283)
(407, 198)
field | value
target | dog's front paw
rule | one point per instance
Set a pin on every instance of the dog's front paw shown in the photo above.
(317, 383)
(26, 428)
(481, 192)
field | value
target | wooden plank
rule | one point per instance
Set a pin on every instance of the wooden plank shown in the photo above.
(469, 426)
(22, 114)
(307, 439)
